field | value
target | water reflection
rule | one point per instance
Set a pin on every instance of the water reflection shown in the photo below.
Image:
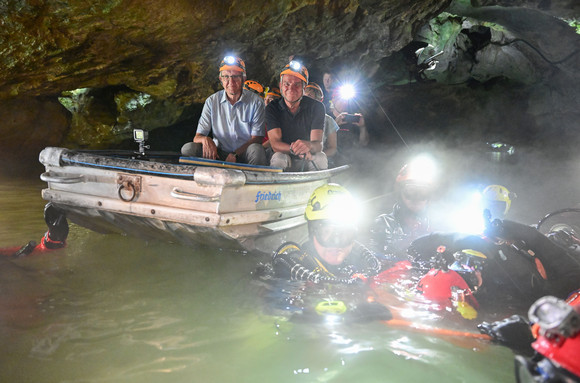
(117, 309)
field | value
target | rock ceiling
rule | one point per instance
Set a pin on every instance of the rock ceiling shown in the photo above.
(168, 51)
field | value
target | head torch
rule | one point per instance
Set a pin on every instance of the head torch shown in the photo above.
(233, 63)
(347, 92)
(295, 68)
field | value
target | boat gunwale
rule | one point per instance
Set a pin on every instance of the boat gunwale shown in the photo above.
(94, 159)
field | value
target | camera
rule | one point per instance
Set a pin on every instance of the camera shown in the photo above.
(140, 135)
(351, 118)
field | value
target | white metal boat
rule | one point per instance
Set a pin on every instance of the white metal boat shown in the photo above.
(192, 201)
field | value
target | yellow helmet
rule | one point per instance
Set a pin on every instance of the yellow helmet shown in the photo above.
(327, 201)
(295, 68)
(498, 199)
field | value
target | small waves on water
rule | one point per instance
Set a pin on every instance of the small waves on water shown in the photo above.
(110, 308)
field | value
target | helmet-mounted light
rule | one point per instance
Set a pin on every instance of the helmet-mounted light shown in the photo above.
(295, 68)
(347, 92)
(422, 169)
(333, 203)
(233, 63)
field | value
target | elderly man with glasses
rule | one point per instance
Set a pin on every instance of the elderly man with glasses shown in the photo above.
(233, 117)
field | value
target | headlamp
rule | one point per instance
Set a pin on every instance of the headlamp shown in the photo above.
(555, 317)
(295, 65)
(295, 68)
(230, 60)
(347, 92)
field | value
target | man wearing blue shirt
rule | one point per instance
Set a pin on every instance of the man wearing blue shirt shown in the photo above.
(235, 119)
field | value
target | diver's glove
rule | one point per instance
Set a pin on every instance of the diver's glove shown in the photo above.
(513, 332)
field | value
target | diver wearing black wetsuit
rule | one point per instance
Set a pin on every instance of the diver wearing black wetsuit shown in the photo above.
(521, 264)
(392, 233)
(53, 239)
(295, 263)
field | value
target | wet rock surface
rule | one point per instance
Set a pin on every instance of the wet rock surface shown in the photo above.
(84, 74)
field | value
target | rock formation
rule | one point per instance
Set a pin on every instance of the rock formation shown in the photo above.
(83, 74)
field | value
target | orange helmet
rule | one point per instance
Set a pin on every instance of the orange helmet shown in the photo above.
(274, 92)
(418, 176)
(233, 63)
(317, 91)
(295, 68)
(254, 86)
(314, 85)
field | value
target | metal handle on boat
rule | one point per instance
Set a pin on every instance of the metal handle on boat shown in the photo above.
(49, 177)
(180, 194)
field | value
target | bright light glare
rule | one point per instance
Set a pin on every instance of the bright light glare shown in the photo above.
(347, 92)
(230, 60)
(332, 319)
(295, 65)
(345, 211)
(469, 216)
(423, 168)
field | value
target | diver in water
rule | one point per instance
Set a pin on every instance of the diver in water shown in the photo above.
(548, 350)
(510, 267)
(54, 238)
(392, 233)
(497, 199)
(331, 254)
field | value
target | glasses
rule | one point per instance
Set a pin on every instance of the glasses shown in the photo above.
(232, 78)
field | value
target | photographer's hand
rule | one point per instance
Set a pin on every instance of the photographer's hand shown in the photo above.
(361, 122)
(364, 134)
(340, 119)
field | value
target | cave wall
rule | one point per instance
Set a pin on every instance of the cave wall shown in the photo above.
(119, 64)
(169, 52)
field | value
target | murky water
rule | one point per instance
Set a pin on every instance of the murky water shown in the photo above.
(110, 308)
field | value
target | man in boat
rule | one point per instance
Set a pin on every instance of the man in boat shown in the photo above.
(54, 238)
(331, 255)
(234, 117)
(295, 124)
(392, 233)
(329, 140)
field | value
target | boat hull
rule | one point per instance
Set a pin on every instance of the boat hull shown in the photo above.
(191, 204)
